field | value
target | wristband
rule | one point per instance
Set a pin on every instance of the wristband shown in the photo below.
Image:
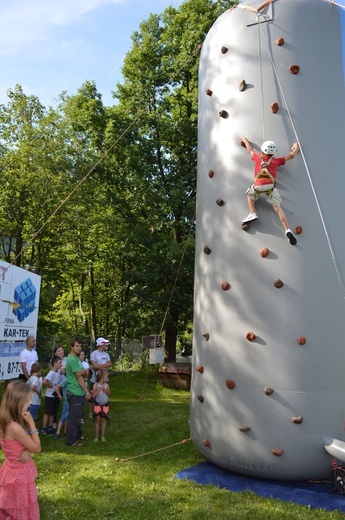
(32, 431)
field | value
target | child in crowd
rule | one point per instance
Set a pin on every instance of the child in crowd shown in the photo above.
(18, 439)
(35, 383)
(86, 368)
(62, 389)
(101, 393)
(53, 396)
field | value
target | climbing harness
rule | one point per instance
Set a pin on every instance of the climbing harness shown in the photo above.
(101, 410)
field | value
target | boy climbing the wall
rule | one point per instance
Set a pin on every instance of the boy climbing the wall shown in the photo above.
(265, 174)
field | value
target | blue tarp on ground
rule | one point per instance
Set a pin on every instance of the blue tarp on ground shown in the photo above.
(317, 495)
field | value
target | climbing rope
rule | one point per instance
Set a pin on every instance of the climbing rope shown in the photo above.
(155, 451)
(336, 266)
(336, 3)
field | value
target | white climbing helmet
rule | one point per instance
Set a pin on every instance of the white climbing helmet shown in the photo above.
(269, 148)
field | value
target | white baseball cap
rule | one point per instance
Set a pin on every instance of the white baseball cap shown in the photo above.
(102, 341)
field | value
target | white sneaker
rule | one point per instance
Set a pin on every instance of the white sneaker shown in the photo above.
(251, 217)
(291, 237)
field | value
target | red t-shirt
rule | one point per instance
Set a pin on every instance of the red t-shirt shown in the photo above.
(272, 167)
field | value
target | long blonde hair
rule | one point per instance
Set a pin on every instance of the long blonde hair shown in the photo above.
(12, 404)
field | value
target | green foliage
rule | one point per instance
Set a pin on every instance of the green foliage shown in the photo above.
(132, 475)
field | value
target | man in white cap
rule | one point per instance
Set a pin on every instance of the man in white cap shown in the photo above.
(99, 358)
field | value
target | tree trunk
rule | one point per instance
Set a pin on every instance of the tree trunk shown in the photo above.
(171, 337)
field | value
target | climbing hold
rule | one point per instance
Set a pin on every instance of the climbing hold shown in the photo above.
(274, 108)
(206, 336)
(206, 443)
(207, 250)
(209, 92)
(200, 398)
(280, 42)
(230, 384)
(225, 286)
(220, 202)
(245, 226)
(297, 420)
(243, 144)
(298, 230)
(211, 174)
(278, 283)
(243, 85)
(294, 69)
(264, 252)
(224, 114)
(268, 391)
(244, 428)
(200, 369)
(250, 336)
(277, 452)
(301, 340)
(224, 50)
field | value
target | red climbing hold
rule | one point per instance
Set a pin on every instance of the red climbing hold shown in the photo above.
(301, 340)
(298, 230)
(278, 283)
(211, 174)
(209, 92)
(280, 42)
(250, 336)
(230, 384)
(200, 369)
(225, 286)
(206, 443)
(294, 69)
(274, 108)
(277, 452)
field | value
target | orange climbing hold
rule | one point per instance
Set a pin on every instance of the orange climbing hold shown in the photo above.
(280, 42)
(274, 108)
(200, 369)
(250, 336)
(264, 252)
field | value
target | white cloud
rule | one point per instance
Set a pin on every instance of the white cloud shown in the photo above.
(29, 21)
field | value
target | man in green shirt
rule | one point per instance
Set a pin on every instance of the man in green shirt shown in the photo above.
(76, 390)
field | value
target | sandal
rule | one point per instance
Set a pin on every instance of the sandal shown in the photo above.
(77, 444)
(82, 438)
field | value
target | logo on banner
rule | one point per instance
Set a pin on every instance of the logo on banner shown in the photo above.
(24, 297)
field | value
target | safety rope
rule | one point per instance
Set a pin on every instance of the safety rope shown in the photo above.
(261, 86)
(336, 266)
(336, 3)
(155, 451)
(104, 155)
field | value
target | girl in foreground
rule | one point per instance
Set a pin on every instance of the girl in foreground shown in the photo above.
(18, 439)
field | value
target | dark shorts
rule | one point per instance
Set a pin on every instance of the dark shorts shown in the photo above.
(51, 405)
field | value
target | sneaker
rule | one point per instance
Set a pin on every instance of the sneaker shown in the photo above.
(56, 436)
(50, 431)
(291, 237)
(250, 218)
(95, 440)
(103, 439)
(43, 431)
(90, 415)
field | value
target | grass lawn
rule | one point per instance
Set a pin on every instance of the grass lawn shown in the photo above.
(95, 482)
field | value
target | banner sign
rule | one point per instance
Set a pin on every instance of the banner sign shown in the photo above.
(19, 302)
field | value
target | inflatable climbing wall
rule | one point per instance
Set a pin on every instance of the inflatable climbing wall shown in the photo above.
(268, 384)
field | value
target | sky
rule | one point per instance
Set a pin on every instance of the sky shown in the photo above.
(50, 46)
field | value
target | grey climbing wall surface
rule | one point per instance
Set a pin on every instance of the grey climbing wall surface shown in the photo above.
(269, 327)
